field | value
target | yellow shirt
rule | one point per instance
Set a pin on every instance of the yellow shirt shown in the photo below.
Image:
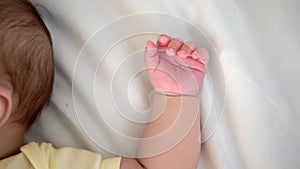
(44, 156)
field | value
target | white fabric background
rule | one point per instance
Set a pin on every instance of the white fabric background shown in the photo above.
(258, 44)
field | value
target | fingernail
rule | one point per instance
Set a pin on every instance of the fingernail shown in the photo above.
(163, 39)
(182, 52)
(195, 55)
(170, 51)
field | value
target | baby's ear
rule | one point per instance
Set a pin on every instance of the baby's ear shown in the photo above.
(6, 102)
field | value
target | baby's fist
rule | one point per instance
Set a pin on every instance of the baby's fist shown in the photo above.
(175, 67)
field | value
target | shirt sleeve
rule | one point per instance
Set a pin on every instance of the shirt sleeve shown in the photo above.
(44, 156)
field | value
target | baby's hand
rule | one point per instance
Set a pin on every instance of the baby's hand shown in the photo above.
(175, 67)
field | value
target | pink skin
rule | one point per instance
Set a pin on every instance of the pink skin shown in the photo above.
(175, 67)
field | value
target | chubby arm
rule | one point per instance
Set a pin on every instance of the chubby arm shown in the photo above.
(176, 69)
(186, 153)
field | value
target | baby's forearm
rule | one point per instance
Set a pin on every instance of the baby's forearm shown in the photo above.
(186, 153)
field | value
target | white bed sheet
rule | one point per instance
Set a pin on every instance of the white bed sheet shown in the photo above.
(258, 43)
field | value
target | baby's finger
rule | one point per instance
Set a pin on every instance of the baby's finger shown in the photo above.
(150, 45)
(174, 46)
(201, 54)
(186, 49)
(151, 56)
(163, 41)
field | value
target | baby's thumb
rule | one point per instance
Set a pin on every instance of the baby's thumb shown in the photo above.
(151, 55)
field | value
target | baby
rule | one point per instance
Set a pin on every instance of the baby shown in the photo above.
(176, 70)
(26, 71)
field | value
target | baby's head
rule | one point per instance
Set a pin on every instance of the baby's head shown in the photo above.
(26, 64)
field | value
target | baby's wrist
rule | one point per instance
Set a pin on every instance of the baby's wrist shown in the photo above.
(164, 105)
(177, 94)
(174, 98)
